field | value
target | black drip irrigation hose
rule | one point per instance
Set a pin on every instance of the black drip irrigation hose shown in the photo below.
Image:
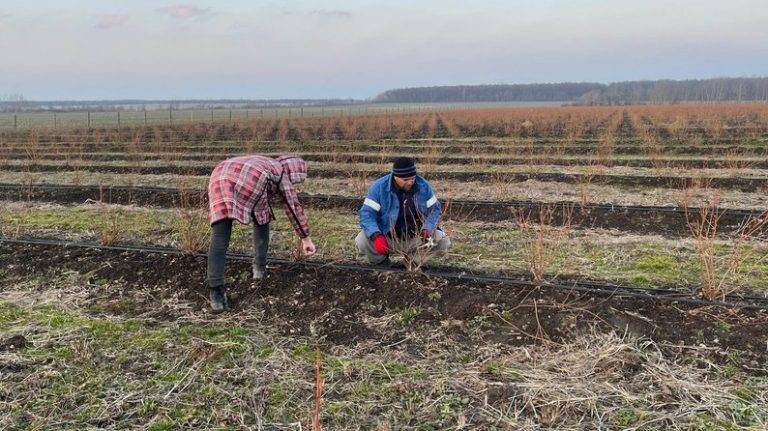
(609, 208)
(745, 184)
(668, 295)
(692, 163)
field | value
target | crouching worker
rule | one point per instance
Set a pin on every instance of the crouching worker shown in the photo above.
(401, 214)
(240, 189)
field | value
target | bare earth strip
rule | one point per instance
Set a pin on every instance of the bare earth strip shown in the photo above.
(449, 189)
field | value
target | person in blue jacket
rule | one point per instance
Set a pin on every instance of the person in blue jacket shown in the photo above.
(400, 214)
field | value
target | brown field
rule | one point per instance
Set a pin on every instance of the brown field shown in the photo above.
(122, 338)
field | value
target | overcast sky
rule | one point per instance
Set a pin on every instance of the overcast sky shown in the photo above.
(77, 49)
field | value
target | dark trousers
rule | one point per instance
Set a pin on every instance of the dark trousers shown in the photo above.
(221, 232)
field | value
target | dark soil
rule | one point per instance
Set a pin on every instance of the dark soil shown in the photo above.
(339, 305)
(533, 159)
(733, 183)
(14, 342)
(214, 151)
(637, 219)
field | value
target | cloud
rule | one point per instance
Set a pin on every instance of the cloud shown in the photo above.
(184, 11)
(331, 13)
(323, 13)
(111, 20)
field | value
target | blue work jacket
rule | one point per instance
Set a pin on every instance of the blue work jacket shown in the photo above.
(381, 206)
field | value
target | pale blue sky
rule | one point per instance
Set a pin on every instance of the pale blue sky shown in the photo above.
(77, 49)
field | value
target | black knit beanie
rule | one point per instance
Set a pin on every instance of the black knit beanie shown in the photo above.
(403, 167)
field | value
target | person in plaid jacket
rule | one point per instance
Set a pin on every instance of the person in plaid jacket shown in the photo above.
(240, 189)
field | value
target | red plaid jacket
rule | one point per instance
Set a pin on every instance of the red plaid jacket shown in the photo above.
(240, 188)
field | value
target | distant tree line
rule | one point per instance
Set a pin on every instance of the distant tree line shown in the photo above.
(566, 91)
(628, 92)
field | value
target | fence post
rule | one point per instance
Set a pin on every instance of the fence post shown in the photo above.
(145, 118)
(211, 116)
(230, 115)
(89, 119)
(55, 124)
(15, 122)
(301, 112)
(170, 115)
(118, 120)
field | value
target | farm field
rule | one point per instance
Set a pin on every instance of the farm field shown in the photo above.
(609, 270)
(133, 116)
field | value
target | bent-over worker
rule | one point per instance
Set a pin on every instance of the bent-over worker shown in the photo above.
(240, 189)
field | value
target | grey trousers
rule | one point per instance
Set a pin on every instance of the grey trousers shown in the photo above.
(409, 247)
(221, 232)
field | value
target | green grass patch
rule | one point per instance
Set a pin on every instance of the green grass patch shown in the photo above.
(484, 247)
(10, 313)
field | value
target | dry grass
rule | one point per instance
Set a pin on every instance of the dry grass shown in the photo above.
(611, 379)
(142, 372)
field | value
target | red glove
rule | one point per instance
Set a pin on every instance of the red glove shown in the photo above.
(380, 244)
(425, 234)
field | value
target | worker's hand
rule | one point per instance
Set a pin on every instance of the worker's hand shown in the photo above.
(307, 246)
(380, 244)
(425, 234)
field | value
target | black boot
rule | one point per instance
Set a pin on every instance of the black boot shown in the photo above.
(259, 272)
(218, 297)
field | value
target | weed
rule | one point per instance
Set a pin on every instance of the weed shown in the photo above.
(408, 315)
